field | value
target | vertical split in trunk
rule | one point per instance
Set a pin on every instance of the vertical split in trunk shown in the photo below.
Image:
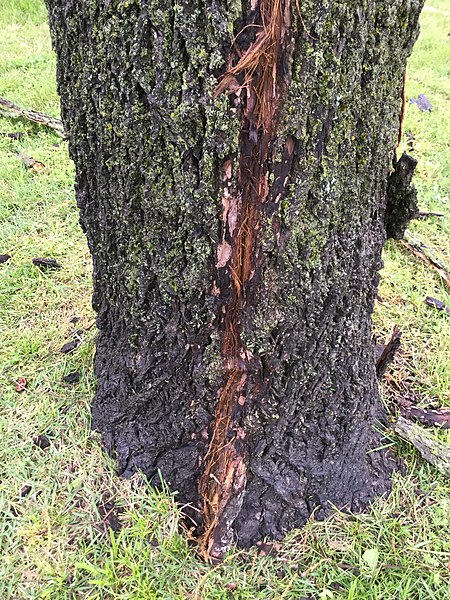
(255, 85)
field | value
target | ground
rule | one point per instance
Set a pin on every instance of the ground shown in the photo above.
(60, 505)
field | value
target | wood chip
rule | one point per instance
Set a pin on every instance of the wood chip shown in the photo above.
(31, 163)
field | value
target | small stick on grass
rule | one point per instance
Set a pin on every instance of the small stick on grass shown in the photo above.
(424, 214)
(434, 451)
(13, 110)
(437, 304)
(419, 252)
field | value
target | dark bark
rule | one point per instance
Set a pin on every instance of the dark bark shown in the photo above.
(401, 205)
(236, 240)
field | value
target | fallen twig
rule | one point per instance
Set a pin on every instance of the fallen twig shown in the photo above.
(424, 214)
(13, 110)
(15, 135)
(418, 249)
(434, 451)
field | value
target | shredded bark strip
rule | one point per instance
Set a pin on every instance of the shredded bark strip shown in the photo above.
(426, 416)
(401, 118)
(256, 81)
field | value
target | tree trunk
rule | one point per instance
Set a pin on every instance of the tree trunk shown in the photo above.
(232, 164)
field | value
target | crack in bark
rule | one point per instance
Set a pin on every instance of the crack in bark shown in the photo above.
(254, 84)
(401, 117)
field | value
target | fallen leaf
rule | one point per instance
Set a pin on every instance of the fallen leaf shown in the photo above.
(41, 441)
(72, 377)
(108, 514)
(339, 545)
(231, 586)
(29, 575)
(4, 258)
(26, 489)
(21, 384)
(46, 263)
(371, 557)
(70, 346)
(422, 103)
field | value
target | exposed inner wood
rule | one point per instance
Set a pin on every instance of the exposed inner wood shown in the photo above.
(255, 83)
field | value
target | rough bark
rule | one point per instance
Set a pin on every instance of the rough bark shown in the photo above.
(232, 167)
(401, 205)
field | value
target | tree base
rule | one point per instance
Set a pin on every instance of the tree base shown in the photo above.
(169, 442)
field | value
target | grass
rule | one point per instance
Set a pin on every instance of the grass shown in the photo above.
(55, 536)
(424, 366)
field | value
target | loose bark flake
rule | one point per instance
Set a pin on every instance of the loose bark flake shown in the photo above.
(401, 204)
(386, 353)
(427, 416)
